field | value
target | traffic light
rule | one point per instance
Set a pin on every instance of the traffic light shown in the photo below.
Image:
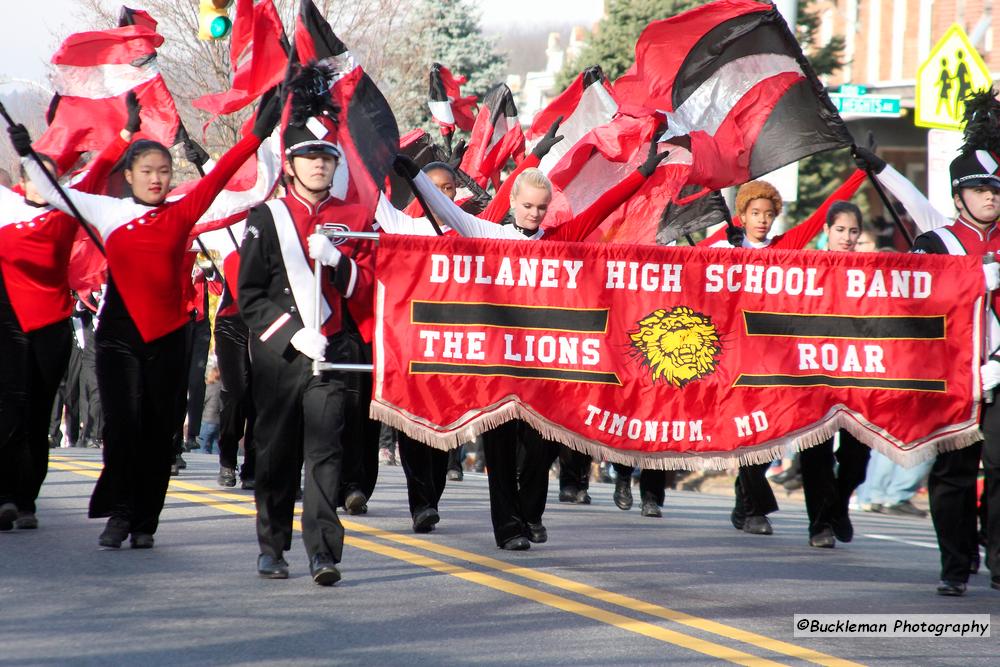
(213, 19)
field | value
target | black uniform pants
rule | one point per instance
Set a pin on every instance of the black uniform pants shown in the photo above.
(361, 432)
(68, 398)
(574, 469)
(754, 496)
(426, 470)
(91, 412)
(651, 482)
(298, 412)
(827, 491)
(141, 385)
(201, 341)
(518, 461)
(952, 489)
(238, 411)
(31, 367)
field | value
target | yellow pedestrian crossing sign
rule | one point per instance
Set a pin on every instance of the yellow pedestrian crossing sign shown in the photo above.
(952, 71)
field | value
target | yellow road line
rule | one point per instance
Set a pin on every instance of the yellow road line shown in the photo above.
(205, 495)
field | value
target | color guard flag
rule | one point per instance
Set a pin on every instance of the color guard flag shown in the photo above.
(583, 106)
(496, 137)
(449, 108)
(93, 71)
(731, 76)
(368, 135)
(258, 57)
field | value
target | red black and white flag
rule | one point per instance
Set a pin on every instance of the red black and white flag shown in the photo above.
(731, 76)
(259, 56)
(449, 108)
(496, 136)
(604, 157)
(129, 16)
(587, 103)
(92, 74)
(368, 136)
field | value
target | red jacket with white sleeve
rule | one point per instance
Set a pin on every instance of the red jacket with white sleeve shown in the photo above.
(145, 245)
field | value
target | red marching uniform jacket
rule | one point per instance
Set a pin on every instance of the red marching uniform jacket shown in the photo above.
(145, 245)
(35, 247)
(276, 282)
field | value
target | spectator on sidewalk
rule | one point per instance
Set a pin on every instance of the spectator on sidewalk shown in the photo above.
(211, 416)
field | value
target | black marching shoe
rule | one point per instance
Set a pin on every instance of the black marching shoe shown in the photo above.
(568, 494)
(843, 529)
(757, 525)
(248, 484)
(26, 521)
(824, 539)
(455, 475)
(951, 588)
(519, 543)
(141, 541)
(738, 519)
(582, 497)
(8, 514)
(181, 463)
(323, 570)
(537, 533)
(651, 509)
(227, 477)
(115, 532)
(356, 503)
(623, 493)
(425, 520)
(270, 567)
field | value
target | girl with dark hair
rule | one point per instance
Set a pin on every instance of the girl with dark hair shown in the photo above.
(828, 493)
(35, 306)
(140, 338)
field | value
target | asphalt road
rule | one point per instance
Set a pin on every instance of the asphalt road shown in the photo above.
(609, 587)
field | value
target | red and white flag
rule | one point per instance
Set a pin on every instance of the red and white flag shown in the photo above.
(93, 73)
(257, 54)
(496, 137)
(583, 106)
(449, 108)
(603, 158)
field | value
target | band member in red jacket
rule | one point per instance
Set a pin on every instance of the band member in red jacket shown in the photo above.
(35, 305)
(297, 410)
(140, 338)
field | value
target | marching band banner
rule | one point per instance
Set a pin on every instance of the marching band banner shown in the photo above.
(678, 357)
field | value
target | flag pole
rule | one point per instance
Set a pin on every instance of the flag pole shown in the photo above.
(55, 183)
(888, 206)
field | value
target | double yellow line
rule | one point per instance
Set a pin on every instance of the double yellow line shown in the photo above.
(242, 504)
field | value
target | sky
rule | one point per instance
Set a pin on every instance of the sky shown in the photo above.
(34, 30)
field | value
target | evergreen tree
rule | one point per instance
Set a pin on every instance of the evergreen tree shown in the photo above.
(612, 46)
(448, 32)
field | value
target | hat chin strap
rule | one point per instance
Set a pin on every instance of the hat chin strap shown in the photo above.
(968, 212)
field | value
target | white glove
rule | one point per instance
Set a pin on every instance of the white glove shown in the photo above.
(322, 248)
(990, 373)
(312, 343)
(992, 273)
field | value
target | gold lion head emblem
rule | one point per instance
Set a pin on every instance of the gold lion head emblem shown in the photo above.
(678, 346)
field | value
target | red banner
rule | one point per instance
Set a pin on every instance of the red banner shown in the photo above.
(678, 357)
